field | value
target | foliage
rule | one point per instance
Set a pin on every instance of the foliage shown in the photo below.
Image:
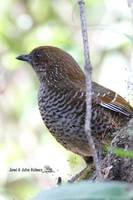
(122, 152)
(88, 191)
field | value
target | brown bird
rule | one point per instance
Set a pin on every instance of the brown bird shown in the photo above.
(62, 101)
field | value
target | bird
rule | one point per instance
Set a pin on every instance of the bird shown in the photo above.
(62, 102)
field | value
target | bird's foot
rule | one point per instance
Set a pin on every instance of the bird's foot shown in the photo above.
(84, 174)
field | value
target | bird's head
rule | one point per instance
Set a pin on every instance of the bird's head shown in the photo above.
(54, 66)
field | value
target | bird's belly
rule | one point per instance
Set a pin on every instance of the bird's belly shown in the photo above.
(66, 124)
(67, 128)
(68, 132)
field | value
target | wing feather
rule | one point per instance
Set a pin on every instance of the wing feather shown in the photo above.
(111, 100)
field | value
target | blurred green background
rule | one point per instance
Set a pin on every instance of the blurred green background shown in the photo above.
(25, 143)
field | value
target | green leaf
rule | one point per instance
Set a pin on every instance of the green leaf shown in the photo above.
(122, 152)
(88, 191)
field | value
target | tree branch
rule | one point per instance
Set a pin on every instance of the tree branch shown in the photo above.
(88, 74)
(130, 67)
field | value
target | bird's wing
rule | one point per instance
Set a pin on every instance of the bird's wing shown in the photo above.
(117, 104)
(111, 100)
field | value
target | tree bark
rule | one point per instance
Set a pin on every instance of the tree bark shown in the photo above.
(116, 167)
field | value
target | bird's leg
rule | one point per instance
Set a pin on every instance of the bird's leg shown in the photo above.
(86, 172)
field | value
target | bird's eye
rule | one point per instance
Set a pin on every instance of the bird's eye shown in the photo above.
(38, 55)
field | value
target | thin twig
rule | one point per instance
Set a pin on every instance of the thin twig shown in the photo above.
(130, 2)
(130, 67)
(88, 74)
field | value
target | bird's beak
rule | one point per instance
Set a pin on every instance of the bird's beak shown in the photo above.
(26, 57)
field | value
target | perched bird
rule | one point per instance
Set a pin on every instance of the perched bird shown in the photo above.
(62, 101)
